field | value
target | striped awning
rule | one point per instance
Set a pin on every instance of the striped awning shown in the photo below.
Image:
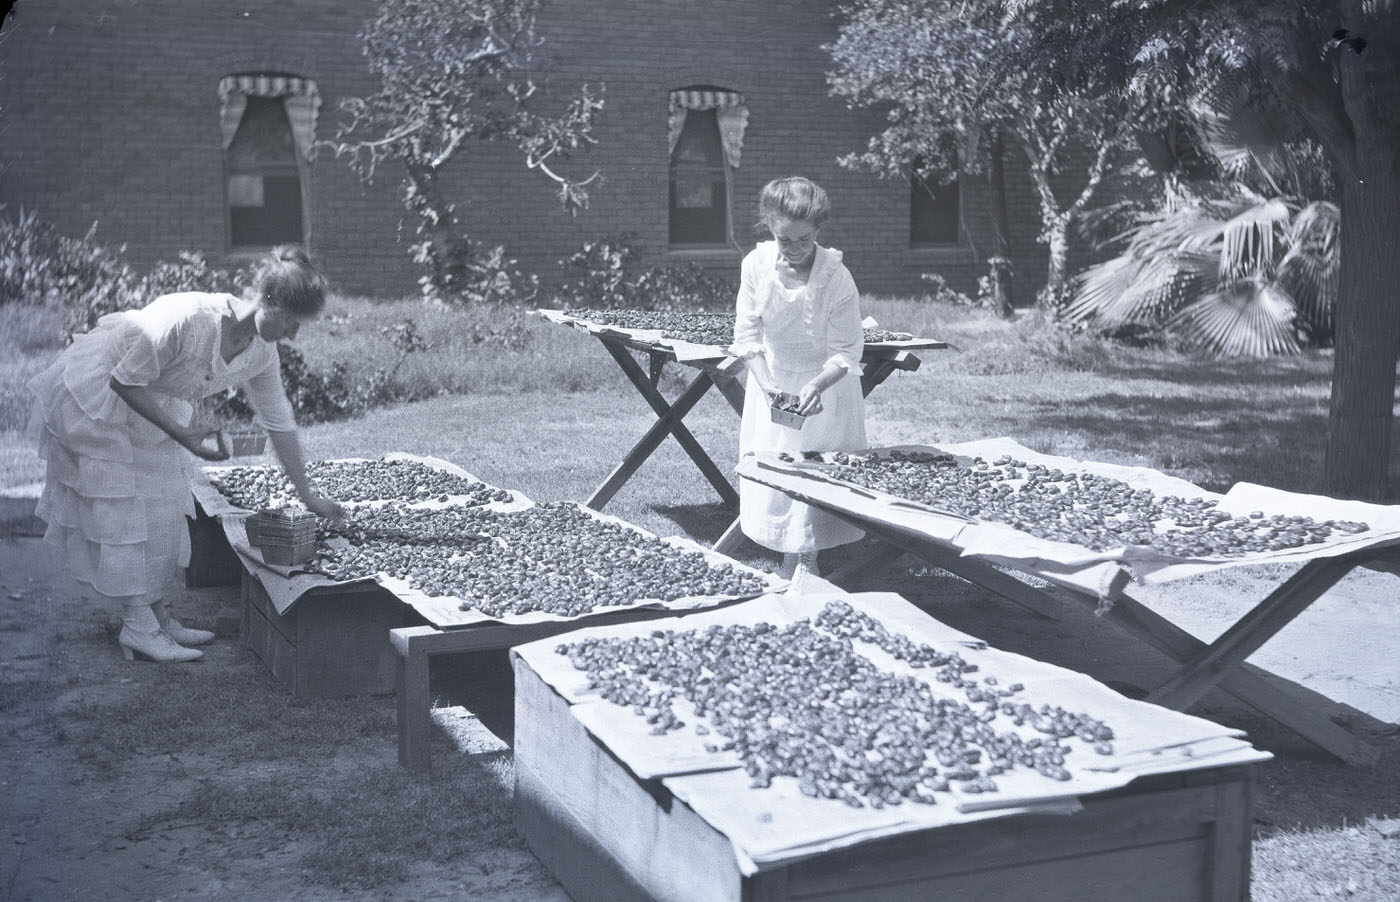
(730, 111)
(299, 95)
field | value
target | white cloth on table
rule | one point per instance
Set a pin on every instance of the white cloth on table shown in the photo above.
(798, 331)
(115, 490)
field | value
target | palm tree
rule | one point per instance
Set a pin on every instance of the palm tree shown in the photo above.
(1243, 275)
(1241, 264)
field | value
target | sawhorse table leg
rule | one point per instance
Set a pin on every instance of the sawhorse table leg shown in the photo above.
(669, 422)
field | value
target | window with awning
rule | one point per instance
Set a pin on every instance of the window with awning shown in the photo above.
(706, 134)
(268, 124)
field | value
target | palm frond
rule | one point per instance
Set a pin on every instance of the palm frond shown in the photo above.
(1249, 239)
(1310, 270)
(1249, 317)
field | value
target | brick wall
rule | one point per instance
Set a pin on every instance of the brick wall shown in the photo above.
(111, 117)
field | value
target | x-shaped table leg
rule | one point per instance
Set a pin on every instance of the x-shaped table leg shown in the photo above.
(669, 422)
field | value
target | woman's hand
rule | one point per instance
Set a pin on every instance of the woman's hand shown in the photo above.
(809, 400)
(194, 438)
(325, 507)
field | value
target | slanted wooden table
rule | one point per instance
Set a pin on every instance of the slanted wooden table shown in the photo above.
(321, 637)
(714, 368)
(953, 546)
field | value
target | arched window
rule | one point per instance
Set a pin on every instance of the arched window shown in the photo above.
(268, 123)
(706, 135)
(934, 210)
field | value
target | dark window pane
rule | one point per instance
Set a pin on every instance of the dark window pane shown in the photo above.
(276, 221)
(933, 211)
(264, 184)
(699, 199)
(264, 135)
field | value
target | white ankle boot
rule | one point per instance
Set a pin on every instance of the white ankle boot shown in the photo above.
(186, 636)
(156, 646)
(177, 630)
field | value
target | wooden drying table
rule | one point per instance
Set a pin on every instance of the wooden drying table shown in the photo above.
(720, 371)
(1203, 666)
(615, 814)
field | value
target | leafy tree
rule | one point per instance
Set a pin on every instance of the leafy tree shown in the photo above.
(453, 72)
(957, 76)
(1330, 71)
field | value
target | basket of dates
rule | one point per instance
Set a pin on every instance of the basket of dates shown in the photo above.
(243, 442)
(286, 535)
(782, 409)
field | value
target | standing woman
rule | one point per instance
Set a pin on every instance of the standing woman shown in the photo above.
(799, 331)
(112, 418)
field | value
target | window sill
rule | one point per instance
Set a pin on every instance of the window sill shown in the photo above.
(698, 251)
(943, 253)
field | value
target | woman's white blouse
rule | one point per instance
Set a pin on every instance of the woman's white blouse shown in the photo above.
(803, 327)
(172, 345)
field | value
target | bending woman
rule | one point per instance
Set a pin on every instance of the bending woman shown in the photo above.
(113, 421)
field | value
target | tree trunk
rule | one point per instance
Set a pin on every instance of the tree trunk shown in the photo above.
(1057, 272)
(1367, 336)
(1003, 294)
(437, 226)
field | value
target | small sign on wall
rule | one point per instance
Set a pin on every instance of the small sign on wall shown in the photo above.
(245, 191)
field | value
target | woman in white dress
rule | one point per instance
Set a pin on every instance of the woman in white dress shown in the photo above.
(798, 329)
(113, 421)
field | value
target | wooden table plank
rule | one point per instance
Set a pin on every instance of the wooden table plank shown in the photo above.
(727, 374)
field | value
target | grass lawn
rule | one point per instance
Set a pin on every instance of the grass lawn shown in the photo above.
(553, 417)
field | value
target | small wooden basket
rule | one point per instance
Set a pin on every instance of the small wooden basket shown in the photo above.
(246, 442)
(782, 417)
(287, 536)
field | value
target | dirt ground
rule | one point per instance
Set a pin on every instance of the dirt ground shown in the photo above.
(70, 834)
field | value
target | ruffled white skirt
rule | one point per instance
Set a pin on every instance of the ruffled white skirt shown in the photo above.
(116, 491)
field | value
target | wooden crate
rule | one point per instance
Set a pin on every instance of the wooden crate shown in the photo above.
(212, 560)
(332, 642)
(607, 835)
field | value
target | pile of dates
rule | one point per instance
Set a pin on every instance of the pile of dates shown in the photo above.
(254, 488)
(553, 558)
(800, 701)
(698, 327)
(1085, 509)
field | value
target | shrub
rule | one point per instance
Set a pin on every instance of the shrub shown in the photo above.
(41, 267)
(943, 293)
(604, 274)
(321, 397)
(38, 265)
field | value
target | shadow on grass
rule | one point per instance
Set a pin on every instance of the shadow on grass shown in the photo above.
(1216, 442)
(1305, 787)
(482, 682)
(704, 523)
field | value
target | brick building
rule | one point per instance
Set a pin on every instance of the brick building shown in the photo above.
(190, 125)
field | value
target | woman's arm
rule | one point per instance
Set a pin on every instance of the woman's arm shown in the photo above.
(287, 446)
(142, 399)
(809, 400)
(748, 331)
(845, 344)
